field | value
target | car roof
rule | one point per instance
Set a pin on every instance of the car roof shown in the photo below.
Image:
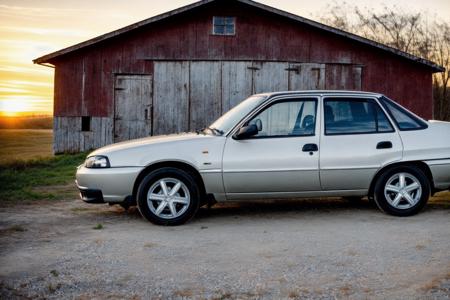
(322, 92)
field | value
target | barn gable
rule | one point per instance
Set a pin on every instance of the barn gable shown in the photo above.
(171, 73)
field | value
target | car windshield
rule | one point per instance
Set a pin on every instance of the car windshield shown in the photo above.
(226, 122)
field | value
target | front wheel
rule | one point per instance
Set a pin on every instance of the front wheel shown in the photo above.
(168, 196)
(402, 191)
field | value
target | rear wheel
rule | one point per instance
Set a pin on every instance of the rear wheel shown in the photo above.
(168, 196)
(402, 191)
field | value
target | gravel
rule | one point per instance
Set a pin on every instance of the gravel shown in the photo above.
(319, 249)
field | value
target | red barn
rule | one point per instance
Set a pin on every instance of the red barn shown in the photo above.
(181, 70)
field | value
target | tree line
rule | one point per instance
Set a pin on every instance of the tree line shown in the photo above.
(416, 33)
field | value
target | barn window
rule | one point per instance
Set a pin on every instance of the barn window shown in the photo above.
(224, 25)
(85, 123)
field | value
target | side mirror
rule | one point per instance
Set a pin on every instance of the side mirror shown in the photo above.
(246, 132)
(256, 122)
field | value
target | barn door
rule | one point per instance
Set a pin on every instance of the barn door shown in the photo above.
(236, 83)
(343, 77)
(306, 76)
(171, 97)
(205, 93)
(133, 106)
(270, 77)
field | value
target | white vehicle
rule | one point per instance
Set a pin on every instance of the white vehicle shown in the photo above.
(279, 145)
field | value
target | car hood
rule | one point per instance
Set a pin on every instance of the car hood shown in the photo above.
(200, 150)
(143, 142)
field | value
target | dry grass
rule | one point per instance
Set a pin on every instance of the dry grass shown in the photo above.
(17, 228)
(25, 144)
(12, 229)
(150, 245)
(420, 247)
(440, 200)
(185, 293)
(435, 283)
(345, 290)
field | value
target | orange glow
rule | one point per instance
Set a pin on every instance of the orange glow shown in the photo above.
(13, 108)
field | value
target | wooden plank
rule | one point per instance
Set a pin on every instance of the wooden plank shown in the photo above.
(306, 76)
(171, 97)
(108, 130)
(343, 77)
(236, 83)
(270, 77)
(133, 101)
(73, 134)
(357, 78)
(205, 94)
(56, 135)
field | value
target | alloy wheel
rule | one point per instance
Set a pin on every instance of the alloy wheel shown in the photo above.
(403, 190)
(168, 198)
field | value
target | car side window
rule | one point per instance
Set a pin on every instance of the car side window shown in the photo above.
(403, 118)
(354, 116)
(287, 118)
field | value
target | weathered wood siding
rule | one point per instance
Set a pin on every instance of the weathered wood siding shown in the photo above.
(84, 79)
(171, 97)
(209, 89)
(132, 107)
(68, 137)
(205, 101)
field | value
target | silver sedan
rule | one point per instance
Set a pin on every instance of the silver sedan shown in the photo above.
(274, 146)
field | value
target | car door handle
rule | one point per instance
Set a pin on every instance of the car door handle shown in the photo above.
(310, 148)
(384, 145)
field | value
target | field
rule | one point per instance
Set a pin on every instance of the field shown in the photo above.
(30, 171)
(27, 122)
(25, 144)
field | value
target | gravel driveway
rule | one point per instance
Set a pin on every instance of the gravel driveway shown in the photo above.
(288, 249)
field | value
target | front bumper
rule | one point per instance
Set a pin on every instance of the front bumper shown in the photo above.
(90, 195)
(108, 185)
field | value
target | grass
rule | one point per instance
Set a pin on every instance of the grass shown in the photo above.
(25, 144)
(17, 228)
(29, 180)
(30, 171)
(98, 227)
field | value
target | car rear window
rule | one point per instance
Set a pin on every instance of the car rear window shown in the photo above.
(403, 118)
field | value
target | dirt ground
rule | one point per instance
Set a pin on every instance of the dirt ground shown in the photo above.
(317, 249)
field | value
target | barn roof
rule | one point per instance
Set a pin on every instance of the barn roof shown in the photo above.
(47, 58)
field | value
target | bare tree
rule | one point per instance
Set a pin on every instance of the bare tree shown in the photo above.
(403, 30)
(441, 81)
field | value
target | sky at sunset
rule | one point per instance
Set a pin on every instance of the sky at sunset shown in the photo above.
(30, 28)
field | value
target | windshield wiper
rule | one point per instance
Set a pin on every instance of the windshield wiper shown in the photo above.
(214, 130)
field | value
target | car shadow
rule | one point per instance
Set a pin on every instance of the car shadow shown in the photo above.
(277, 207)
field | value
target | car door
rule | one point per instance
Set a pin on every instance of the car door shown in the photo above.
(357, 140)
(281, 158)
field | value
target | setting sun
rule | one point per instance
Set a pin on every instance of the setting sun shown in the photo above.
(15, 107)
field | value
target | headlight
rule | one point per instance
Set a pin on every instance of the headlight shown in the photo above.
(97, 162)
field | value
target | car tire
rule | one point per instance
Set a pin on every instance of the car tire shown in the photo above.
(402, 191)
(168, 196)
